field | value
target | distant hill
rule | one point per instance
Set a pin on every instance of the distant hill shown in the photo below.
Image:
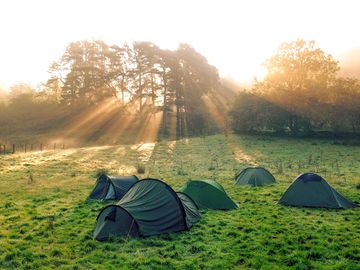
(350, 63)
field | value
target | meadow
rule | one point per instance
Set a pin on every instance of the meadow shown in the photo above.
(47, 222)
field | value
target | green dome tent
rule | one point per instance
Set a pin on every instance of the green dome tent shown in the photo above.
(150, 207)
(208, 194)
(112, 187)
(254, 176)
(311, 190)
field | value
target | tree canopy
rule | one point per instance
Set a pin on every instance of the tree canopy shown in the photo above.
(140, 75)
(301, 93)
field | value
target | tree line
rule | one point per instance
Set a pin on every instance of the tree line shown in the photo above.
(141, 74)
(300, 95)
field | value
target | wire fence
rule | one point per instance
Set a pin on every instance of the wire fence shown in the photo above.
(26, 148)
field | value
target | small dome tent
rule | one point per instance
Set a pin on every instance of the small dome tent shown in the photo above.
(208, 194)
(311, 190)
(112, 187)
(150, 207)
(254, 176)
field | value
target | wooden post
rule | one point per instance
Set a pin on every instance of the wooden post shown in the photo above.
(13, 148)
(25, 147)
(4, 149)
(41, 146)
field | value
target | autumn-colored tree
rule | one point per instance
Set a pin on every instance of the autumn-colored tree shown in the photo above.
(298, 77)
(300, 94)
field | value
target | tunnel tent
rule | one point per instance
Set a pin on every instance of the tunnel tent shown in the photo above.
(254, 176)
(190, 207)
(150, 207)
(208, 194)
(112, 187)
(311, 190)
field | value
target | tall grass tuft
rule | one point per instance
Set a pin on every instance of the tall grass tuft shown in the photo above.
(140, 169)
(31, 179)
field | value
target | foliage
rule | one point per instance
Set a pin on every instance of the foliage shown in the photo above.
(300, 94)
(92, 73)
(251, 113)
(27, 111)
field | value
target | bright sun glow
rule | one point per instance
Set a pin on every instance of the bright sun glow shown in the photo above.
(235, 36)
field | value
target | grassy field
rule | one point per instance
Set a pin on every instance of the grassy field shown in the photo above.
(46, 221)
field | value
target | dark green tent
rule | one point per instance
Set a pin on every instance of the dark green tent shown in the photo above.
(208, 194)
(112, 187)
(311, 190)
(150, 207)
(254, 176)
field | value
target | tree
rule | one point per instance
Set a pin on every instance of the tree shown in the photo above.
(50, 91)
(144, 59)
(119, 73)
(343, 101)
(198, 78)
(299, 75)
(251, 113)
(168, 71)
(21, 102)
(86, 72)
(20, 90)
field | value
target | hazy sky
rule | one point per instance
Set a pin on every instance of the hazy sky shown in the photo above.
(236, 36)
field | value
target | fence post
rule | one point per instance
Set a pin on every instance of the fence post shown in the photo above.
(41, 146)
(13, 148)
(25, 147)
(4, 149)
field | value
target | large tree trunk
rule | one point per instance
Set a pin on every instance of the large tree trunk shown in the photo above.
(293, 124)
(165, 105)
(140, 93)
(122, 92)
(152, 89)
(178, 120)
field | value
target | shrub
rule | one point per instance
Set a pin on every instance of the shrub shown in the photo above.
(101, 171)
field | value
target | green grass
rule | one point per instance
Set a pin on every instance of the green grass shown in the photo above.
(46, 222)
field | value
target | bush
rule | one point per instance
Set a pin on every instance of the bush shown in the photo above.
(100, 172)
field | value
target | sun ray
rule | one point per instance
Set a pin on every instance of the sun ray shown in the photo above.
(150, 128)
(217, 113)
